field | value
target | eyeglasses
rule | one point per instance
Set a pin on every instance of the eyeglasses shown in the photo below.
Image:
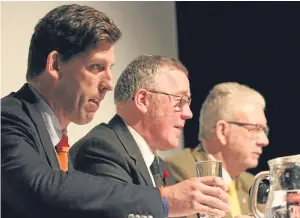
(254, 128)
(183, 98)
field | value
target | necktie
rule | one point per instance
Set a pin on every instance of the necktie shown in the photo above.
(234, 201)
(156, 172)
(62, 149)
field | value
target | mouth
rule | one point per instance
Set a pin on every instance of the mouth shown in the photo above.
(257, 154)
(178, 127)
(95, 101)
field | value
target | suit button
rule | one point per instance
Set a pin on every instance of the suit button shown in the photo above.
(131, 216)
(143, 216)
(137, 216)
(150, 216)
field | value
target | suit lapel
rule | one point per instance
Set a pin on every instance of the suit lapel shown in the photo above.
(30, 101)
(243, 195)
(131, 147)
(168, 178)
(199, 154)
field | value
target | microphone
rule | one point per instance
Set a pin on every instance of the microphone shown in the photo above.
(263, 191)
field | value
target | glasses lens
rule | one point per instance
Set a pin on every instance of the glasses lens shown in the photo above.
(184, 100)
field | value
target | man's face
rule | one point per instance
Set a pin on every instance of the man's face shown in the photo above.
(83, 83)
(166, 118)
(245, 142)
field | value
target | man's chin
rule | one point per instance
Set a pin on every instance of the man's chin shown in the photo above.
(85, 120)
(252, 164)
(174, 145)
(169, 146)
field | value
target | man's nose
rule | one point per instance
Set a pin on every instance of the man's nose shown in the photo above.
(186, 113)
(107, 82)
(263, 139)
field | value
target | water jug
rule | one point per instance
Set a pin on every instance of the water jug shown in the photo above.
(284, 194)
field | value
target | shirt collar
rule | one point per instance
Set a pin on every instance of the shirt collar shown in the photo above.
(147, 154)
(50, 119)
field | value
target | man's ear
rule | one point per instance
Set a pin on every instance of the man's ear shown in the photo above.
(141, 100)
(222, 129)
(52, 65)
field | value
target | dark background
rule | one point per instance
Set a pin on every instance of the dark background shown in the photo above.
(254, 43)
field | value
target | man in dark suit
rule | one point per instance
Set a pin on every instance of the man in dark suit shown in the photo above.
(69, 72)
(152, 99)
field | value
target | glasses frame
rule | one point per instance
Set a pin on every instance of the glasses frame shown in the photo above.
(260, 127)
(181, 105)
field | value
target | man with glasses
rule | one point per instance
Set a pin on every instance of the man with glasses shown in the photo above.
(152, 98)
(233, 129)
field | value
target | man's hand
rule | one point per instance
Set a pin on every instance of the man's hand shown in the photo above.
(205, 195)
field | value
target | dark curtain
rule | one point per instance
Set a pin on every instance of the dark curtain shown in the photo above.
(254, 43)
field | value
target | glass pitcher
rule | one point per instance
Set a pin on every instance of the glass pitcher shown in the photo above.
(284, 195)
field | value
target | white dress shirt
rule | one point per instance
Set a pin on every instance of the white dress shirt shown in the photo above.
(147, 154)
(50, 119)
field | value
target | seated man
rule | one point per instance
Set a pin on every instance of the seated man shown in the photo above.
(152, 99)
(233, 129)
(69, 72)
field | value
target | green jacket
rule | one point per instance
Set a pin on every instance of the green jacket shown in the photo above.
(182, 166)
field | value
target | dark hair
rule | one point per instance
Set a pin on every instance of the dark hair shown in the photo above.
(69, 30)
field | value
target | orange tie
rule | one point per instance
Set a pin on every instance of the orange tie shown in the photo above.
(62, 150)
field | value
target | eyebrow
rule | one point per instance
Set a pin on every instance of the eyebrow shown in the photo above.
(186, 93)
(101, 61)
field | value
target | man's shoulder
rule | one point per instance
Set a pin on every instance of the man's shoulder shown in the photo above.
(182, 164)
(101, 133)
(101, 138)
(13, 102)
(246, 176)
(180, 155)
(101, 130)
(13, 108)
(246, 179)
(104, 130)
(10, 102)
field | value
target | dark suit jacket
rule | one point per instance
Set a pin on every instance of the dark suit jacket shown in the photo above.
(33, 186)
(110, 150)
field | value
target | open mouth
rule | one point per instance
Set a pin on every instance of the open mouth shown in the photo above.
(95, 101)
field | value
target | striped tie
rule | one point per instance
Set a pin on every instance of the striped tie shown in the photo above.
(156, 172)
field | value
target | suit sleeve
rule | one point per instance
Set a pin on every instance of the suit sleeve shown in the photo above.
(30, 186)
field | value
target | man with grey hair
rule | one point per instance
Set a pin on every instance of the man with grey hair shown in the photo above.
(152, 99)
(233, 129)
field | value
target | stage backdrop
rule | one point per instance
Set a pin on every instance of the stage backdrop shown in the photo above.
(254, 43)
(148, 27)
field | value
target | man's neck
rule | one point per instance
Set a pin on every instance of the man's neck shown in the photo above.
(45, 94)
(233, 169)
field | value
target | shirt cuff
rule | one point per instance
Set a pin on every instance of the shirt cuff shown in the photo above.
(165, 207)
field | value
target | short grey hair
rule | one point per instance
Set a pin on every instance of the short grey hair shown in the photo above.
(141, 72)
(220, 104)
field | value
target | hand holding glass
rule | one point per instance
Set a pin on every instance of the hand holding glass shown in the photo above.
(208, 168)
